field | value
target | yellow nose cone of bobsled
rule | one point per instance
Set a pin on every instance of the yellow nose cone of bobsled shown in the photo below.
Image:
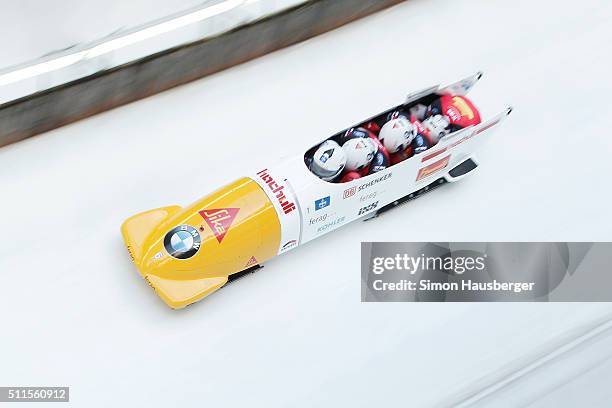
(187, 253)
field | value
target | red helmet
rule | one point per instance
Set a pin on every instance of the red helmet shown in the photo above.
(459, 110)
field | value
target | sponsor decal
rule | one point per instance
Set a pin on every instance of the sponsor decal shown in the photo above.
(322, 203)
(277, 189)
(317, 220)
(219, 220)
(349, 192)
(368, 197)
(374, 182)
(288, 245)
(182, 242)
(433, 168)
(368, 208)
(463, 107)
(252, 261)
(331, 224)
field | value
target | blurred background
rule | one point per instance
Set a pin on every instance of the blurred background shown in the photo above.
(134, 59)
(46, 27)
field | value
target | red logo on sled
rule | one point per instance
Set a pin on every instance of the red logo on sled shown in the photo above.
(433, 168)
(251, 262)
(349, 192)
(219, 220)
(277, 189)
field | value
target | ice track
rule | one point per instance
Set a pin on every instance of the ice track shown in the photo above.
(75, 312)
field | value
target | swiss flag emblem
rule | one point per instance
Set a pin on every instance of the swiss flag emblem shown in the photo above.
(220, 220)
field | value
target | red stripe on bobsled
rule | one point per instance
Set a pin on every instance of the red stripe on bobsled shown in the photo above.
(434, 154)
(433, 168)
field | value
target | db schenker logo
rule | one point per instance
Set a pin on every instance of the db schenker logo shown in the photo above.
(182, 242)
(349, 192)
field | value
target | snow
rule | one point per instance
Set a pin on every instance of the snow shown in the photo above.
(76, 312)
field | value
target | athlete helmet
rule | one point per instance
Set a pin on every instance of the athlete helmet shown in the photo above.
(397, 134)
(355, 133)
(359, 153)
(459, 110)
(328, 160)
(437, 126)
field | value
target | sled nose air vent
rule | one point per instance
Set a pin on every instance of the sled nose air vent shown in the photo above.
(463, 169)
(129, 248)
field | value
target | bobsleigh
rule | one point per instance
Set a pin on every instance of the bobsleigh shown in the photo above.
(186, 253)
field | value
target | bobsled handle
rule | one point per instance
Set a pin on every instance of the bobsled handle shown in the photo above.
(461, 88)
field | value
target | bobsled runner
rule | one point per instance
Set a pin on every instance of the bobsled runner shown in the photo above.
(187, 253)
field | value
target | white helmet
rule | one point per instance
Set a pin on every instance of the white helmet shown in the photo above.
(437, 126)
(359, 152)
(397, 134)
(328, 160)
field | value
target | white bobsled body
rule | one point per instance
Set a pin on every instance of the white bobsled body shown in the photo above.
(308, 207)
